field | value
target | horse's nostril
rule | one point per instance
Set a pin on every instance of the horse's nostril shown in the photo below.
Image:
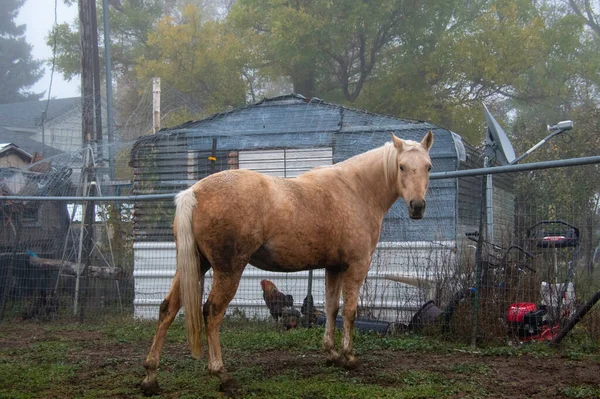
(412, 204)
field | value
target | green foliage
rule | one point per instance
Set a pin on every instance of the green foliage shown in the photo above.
(581, 391)
(68, 49)
(198, 58)
(329, 49)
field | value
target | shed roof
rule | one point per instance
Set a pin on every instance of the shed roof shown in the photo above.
(295, 121)
(6, 148)
(23, 141)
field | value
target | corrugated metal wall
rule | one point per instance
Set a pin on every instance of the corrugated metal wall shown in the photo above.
(469, 200)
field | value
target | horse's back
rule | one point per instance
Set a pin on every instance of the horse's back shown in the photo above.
(287, 224)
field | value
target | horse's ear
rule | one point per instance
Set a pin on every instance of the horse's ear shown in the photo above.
(427, 141)
(398, 142)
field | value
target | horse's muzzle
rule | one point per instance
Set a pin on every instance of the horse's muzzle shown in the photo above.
(416, 209)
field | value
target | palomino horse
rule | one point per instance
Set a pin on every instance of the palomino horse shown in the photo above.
(329, 217)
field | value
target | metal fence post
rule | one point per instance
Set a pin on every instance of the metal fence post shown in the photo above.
(478, 254)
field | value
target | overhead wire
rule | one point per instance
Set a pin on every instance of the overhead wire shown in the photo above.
(54, 34)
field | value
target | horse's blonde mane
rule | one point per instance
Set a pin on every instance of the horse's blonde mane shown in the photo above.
(389, 161)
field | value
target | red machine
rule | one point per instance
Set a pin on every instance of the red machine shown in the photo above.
(526, 320)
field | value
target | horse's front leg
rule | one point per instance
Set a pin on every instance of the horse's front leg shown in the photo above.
(352, 282)
(333, 286)
(168, 310)
(225, 284)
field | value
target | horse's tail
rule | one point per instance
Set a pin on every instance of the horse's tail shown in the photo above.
(188, 265)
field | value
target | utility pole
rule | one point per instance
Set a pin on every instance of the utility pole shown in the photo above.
(87, 12)
(97, 91)
(108, 71)
(87, 71)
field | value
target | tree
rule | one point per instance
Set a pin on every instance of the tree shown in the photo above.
(198, 57)
(133, 24)
(454, 59)
(18, 70)
(323, 47)
(131, 21)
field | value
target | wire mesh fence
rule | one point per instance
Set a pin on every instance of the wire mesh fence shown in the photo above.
(524, 273)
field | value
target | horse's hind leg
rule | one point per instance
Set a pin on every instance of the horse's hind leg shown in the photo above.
(168, 310)
(225, 284)
(332, 306)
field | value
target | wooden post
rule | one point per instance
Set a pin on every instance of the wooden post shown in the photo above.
(213, 156)
(7, 282)
(155, 105)
(108, 76)
(96, 78)
(87, 71)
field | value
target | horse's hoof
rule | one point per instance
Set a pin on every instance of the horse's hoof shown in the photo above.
(338, 361)
(229, 386)
(348, 363)
(351, 363)
(150, 388)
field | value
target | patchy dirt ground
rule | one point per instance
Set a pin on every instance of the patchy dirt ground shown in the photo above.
(101, 363)
(506, 377)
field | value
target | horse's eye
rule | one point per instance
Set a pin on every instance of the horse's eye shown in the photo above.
(402, 168)
(429, 169)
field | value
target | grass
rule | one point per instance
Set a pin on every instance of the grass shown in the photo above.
(63, 359)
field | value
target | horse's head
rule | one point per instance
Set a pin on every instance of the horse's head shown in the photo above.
(412, 170)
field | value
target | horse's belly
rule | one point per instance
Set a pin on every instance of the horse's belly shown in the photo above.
(292, 259)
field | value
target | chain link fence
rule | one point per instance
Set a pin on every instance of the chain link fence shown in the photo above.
(523, 265)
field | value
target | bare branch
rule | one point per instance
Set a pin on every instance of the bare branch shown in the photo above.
(589, 16)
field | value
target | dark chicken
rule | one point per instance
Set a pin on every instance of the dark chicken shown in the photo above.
(281, 306)
(309, 312)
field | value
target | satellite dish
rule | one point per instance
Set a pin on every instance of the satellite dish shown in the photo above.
(497, 142)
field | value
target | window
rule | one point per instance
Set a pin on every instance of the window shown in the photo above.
(285, 162)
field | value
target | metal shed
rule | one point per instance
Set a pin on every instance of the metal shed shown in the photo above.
(286, 136)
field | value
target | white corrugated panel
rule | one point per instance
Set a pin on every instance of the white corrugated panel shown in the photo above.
(379, 298)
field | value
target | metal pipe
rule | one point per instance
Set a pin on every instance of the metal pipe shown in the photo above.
(434, 176)
(517, 168)
(538, 145)
(127, 198)
(478, 256)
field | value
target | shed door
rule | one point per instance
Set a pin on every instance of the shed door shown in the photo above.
(285, 162)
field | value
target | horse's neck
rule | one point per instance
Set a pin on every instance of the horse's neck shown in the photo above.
(367, 172)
